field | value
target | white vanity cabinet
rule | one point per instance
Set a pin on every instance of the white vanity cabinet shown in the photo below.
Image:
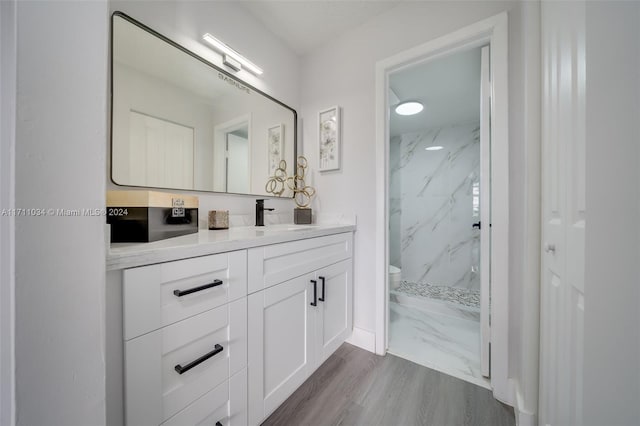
(222, 329)
(185, 349)
(296, 323)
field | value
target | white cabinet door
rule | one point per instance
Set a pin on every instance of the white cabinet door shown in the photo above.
(280, 335)
(334, 314)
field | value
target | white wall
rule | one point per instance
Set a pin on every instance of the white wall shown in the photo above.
(343, 73)
(8, 60)
(612, 291)
(60, 261)
(185, 22)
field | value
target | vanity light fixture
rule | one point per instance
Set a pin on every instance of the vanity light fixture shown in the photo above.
(434, 148)
(409, 108)
(231, 58)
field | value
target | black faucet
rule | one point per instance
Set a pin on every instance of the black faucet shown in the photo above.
(260, 212)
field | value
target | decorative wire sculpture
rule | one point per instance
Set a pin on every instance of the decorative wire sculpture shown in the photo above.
(279, 182)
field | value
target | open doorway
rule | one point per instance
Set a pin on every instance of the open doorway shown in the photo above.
(490, 32)
(238, 161)
(232, 156)
(439, 193)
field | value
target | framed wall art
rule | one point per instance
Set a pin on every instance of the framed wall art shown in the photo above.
(275, 139)
(329, 139)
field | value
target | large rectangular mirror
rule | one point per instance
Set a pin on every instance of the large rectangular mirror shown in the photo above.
(180, 122)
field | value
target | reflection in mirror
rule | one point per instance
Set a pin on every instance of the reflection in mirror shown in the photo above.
(179, 122)
(232, 157)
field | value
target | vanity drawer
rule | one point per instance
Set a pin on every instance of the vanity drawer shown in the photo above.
(159, 295)
(226, 404)
(209, 348)
(277, 263)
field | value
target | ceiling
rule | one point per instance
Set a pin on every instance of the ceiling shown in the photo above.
(449, 89)
(304, 25)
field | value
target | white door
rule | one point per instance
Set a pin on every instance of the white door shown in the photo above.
(238, 170)
(280, 343)
(160, 152)
(334, 321)
(563, 204)
(485, 210)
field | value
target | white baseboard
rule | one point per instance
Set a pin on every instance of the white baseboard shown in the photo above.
(525, 419)
(364, 339)
(523, 416)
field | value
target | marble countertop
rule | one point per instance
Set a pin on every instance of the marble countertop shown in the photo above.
(129, 255)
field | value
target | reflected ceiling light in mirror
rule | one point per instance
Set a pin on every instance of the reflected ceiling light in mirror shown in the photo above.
(409, 108)
(227, 51)
(434, 148)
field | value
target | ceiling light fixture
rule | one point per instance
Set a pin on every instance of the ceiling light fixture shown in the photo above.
(409, 108)
(434, 148)
(227, 51)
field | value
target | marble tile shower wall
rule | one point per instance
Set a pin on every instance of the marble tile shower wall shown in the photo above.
(434, 200)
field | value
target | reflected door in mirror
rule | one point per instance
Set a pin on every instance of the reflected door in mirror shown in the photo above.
(179, 122)
(161, 153)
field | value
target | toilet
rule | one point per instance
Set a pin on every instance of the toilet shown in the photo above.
(394, 277)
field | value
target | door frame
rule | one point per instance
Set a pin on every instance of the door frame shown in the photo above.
(220, 131)
(492, 31)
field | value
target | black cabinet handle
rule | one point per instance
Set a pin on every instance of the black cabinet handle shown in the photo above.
(181, 293)
(180, 369)
(315, 293)
(322, 297)
(477, 225)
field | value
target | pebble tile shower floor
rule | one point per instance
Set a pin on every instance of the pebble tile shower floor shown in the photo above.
(460, 296)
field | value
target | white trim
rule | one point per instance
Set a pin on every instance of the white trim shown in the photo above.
(530, 299)
(8, 64)
(485, 210)
(494, 31)
(523, 417)
(362, 338)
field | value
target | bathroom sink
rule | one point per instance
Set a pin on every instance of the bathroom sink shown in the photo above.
(287, 227)
(269, 229)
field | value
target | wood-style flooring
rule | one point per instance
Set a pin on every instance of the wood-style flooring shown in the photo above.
(356, 387)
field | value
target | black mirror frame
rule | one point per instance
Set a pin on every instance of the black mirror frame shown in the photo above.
(204, 61)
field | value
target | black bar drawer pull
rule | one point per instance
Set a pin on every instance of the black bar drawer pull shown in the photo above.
(181, 293)
(315, 293)
(180, 369)
(322, 297)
